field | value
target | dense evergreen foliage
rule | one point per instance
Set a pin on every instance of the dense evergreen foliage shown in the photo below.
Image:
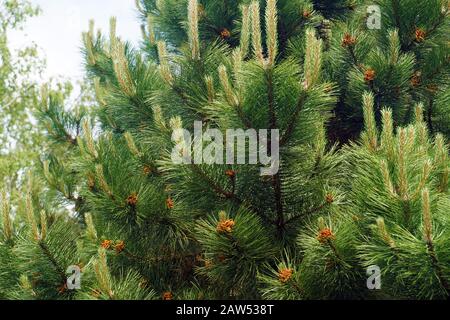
(363, 177)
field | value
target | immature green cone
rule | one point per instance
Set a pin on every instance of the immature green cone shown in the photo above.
(313, 59)
(256, 32)
(224, 80)
(371, 134)
(271, 29)
(384, 234)
(112, 34)
(245, 31)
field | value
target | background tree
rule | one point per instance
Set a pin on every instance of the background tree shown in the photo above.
(18, 93)
(41, 221)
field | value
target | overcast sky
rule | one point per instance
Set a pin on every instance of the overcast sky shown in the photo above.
(57, 31)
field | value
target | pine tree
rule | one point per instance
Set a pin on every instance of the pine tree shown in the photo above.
(204, 226)
(195, 230)
(396, 220)
(19, 68)
(110, 202)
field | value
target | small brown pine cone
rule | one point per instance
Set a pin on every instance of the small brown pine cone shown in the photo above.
(369, 75)
(325, 235)
(230, 173)
(225, 226)
(348, 40)
(132, 199)
(167, 295)
(169, 203)
(119, 246)
(420, 34)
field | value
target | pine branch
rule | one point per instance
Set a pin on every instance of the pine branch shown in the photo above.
(351, 51)
(307, 213)
(217, 188)
(276, 180)
(436, 25)
(437, 267)
(230, 195)
(297, 288)
(53, 261)
(157, 259)
(247, 123)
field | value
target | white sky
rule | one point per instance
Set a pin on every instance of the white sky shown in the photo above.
(57, 31)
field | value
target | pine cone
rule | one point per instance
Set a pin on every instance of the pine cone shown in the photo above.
(169, 203)
(415, 80)
(147, 170)
(230, 173)
(225, 226)
(285, 274)
(132, 199)
(225, 33)
(329, 198)
(348, 40)
(119, 247)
